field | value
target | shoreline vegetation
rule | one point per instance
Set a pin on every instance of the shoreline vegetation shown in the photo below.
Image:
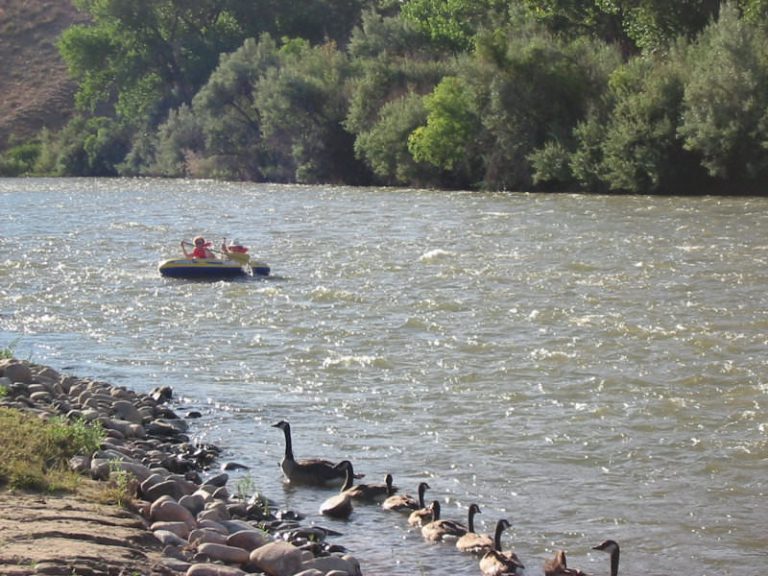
(533, 95)
(99, 480)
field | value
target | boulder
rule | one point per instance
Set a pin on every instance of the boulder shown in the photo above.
(277, 559)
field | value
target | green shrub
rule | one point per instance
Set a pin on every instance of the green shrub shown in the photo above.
(35, 454)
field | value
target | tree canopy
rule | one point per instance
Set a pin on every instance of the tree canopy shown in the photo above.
(638, 96)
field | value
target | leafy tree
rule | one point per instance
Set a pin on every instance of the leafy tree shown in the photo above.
(385, 145)
(147, 55)
(450, 132)
(645, 25)
(641, 151)
(725, 114)
(530, 88)
(452, 24)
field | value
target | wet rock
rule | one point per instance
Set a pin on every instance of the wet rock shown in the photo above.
(161, 394)
(218, 480)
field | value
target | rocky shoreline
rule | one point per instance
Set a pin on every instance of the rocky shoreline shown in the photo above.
(197, 526)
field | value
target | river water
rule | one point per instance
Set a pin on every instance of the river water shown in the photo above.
(588, 367)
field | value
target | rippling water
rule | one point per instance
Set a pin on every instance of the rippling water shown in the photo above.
(588, 367)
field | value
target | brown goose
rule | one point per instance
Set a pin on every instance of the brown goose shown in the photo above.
(340, 506)
(406, 502)
(313, 472)
(496, 562)
(558, 566)
(473, 542)
(373, 492)
(440, 530)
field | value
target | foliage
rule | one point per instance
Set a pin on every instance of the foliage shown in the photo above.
(451, 129)
(384, 146)
(35, 455)
(85, 147)
(19, 160)
(530, 89)
(452, 24)
(725, 117)
(645, 25)
(638, 96)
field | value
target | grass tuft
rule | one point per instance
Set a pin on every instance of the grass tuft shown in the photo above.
(36, 453)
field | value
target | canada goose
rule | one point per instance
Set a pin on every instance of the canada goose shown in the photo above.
(373, 492)
(311, 471)
(612, 548)
(472, 541)
(558, 566)
(340, 506)
(439, 530)
(406, 502)
(498, 563)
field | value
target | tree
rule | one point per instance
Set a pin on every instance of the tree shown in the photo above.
(450, 132)
(725, 107)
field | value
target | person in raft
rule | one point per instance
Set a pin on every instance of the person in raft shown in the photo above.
(202, 248)
(235, 251)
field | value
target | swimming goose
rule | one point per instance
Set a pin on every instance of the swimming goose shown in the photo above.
(406, 502)
(439, 530)
(496, 562)
(310, 471)
(373, 492)
(558, 566)
(473, 542)
(340, 506)
(612, 548)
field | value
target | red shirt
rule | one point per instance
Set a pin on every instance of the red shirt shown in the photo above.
(200, 252)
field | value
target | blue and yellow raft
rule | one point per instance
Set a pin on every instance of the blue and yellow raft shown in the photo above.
(233, 266)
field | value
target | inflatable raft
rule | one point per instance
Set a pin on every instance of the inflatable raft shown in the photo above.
(214, 269)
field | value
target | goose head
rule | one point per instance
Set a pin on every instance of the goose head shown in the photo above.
(611, 547)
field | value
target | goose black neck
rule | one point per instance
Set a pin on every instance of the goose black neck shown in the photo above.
(288, 443)
(497, 536)
(348, 478)
(471, 519)
(615, 562)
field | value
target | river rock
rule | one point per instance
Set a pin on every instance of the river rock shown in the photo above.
(347, 565)
(17, 372)
(224, 553)
(277, 559)
(193, 502)
(172, 511)
(127, 411)
(181, 529)
(168, 538)
(214, 570)
(249, 539)
(207, 535)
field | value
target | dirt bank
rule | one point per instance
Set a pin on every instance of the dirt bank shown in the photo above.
(73, 534)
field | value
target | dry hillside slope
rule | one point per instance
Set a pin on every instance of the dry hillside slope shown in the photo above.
(35, 91)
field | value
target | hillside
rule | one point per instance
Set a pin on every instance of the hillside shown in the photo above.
(35, 90)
